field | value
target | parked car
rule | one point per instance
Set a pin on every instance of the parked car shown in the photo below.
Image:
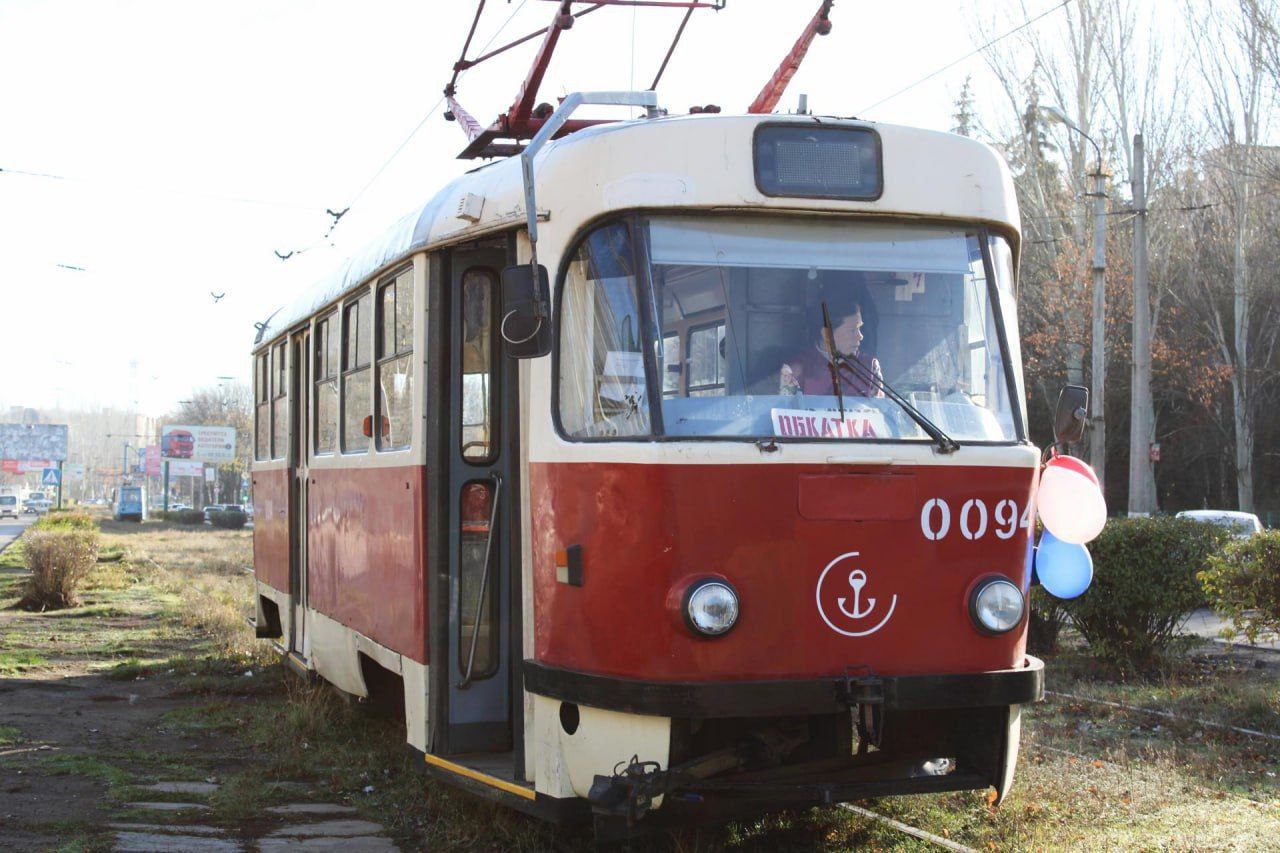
(210, 510)
(1241, 524)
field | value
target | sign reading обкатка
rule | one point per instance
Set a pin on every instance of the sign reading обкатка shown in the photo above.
(202, 443)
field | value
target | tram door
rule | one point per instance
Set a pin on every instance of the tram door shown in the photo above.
(300, 394)
(481, 421)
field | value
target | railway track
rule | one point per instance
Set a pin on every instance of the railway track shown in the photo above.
(907, 829)
(1165, 714)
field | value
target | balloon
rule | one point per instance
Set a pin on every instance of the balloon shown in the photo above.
(1065, 569)
(1070, 500)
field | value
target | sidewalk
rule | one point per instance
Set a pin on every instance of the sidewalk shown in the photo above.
(1205, 623)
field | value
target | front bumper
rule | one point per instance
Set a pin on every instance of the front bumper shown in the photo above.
(784, 697)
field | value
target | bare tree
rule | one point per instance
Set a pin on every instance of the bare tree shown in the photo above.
(1231, 47)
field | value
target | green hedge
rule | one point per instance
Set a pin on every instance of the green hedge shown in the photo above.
(180, 516)
(229, 519)
(1243, 584)
(1144, 586)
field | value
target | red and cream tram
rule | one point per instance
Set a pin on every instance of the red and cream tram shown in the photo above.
(727, 509)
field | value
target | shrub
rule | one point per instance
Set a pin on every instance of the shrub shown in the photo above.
(1144, 586)
(1048, 616)
(66, 520)
(185, 516)
(1243, 583)
(59, 560)
(229, 519)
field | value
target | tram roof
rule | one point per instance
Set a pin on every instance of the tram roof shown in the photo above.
(670, 162)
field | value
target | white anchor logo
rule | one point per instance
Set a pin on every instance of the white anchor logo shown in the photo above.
(857, 581)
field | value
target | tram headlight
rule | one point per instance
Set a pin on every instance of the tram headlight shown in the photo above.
(711, 607)
(996, 606)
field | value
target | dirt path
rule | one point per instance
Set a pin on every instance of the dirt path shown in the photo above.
(119, 724)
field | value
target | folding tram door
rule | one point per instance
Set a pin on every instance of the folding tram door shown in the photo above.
(476, 704)
(299, 473)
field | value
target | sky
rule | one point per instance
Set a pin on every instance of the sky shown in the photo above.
(156, 154)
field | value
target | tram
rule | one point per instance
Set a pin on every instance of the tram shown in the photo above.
(673, 469)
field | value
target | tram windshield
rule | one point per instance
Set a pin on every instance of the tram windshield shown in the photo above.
(786, 328)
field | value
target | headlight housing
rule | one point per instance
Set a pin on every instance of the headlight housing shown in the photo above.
(996, 606)
(710, 607)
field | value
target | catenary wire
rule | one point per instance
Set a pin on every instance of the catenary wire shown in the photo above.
(968, 55)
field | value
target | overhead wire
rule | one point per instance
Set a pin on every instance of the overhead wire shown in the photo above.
(143, 188)
(399, 148)
(967, 56)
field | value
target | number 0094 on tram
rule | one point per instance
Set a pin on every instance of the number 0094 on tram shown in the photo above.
(724, 504)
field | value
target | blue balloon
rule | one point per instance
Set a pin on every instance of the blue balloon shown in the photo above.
(1065, 569)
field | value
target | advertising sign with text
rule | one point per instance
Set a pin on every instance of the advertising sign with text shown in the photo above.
(205, 443)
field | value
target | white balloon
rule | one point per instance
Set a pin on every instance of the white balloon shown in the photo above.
(1070, 502)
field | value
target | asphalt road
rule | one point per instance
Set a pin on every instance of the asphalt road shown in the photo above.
(11, 530)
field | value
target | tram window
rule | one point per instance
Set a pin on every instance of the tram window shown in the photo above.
(738, 305)
(476, 362)
(395, 363)
(357, 403)
(602, 383)
(706, 361)
(672, 365)
(476, 513)
(326, 385)
(279, 402)
(262, 434)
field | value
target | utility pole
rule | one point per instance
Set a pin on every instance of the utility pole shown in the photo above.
(1098, 440)
(1142, 480)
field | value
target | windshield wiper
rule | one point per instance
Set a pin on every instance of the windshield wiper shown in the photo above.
(829, 338)
(946, 444)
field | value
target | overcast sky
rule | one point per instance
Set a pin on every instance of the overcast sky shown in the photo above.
(154, 153)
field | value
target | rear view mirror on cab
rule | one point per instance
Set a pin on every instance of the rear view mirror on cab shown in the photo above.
(526, 313)
(1072, 414)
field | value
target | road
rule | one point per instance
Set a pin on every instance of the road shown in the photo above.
(11, 530)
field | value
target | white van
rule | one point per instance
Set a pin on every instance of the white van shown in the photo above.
(10, 502)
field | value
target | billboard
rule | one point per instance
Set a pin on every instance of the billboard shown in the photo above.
(185, 468)
(203, 443)
(73, 472)
(152, 455)
(34, 441)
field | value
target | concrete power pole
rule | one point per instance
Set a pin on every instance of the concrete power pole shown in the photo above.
(1142, 416)
(1098, 438)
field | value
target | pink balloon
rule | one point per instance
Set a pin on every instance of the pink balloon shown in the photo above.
(1070, 500)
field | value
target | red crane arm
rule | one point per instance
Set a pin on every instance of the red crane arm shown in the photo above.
(769, 96)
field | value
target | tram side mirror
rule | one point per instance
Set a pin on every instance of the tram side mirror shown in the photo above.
(526, 312)
(1072, 414)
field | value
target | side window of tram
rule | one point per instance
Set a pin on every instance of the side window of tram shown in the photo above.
(357, 403)
(477, 365)
(602, 374)
(262, 436)
(326, 378)
(395, 363)
(279, 402)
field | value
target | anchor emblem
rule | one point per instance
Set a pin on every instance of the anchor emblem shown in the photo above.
(862, 607)
(857, 580)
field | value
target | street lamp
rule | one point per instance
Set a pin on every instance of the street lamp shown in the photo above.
(1098, 440)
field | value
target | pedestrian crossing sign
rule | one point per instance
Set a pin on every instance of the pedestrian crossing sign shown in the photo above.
(51, 477)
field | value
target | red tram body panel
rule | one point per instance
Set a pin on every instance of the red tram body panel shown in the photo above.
(645, 530)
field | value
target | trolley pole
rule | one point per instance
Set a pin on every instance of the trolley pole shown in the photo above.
(1142, 432)
(166, 485)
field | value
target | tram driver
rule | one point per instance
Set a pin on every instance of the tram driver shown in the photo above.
(808, 371)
